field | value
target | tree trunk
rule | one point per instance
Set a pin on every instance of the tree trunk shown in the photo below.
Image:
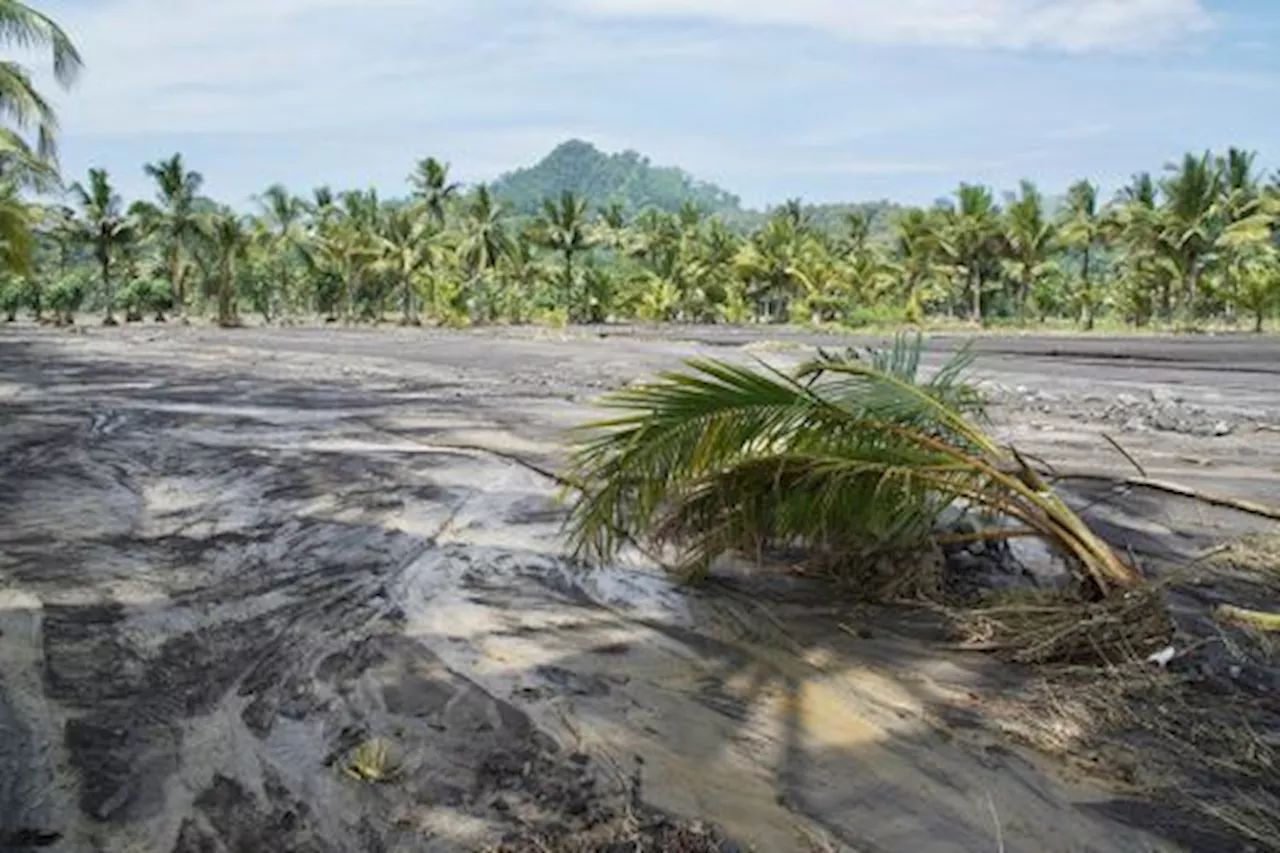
(105, 261)
(1024, 295)
(1257, 321)
(975, 283)
(407, 302)
(1193, 283)
(175, 280)
(226, 300)
(1087, 293)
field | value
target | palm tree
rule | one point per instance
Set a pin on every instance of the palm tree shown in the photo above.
(228, 238)
(917, 253)
(1133, 225)
(23, 107)
(105, 228)
(1193, 222)
(970, 238)
(433, 189)
(562, 228)
(16, 239)
(522, 276)
(344, 247)
(484, 243)
(282, 214)
(845, 455)
(407, 251)
(20, 102)
(1083, 230)
(771, 263)
(1257, 288)
(173, 218)
(1029, 237)
(611, 229)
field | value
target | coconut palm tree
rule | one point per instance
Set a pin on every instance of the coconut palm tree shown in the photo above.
(1133, 226)
(105, 227)
(1193, 219)
(228, 236)
(283, 216)
(562, 229)
(173, 218)
(1030, 238)
(1257, 285)
(484, 234)
(970, 238)
(611, 227)
(20, 102)
(522, 277)
(433, 189)
(845, 455)
(1083, 229)
(917, 257)
(407, 251)
(24, 108)
(771, 263)
(16, 240)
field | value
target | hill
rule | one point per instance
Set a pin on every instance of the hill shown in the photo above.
(603, 178)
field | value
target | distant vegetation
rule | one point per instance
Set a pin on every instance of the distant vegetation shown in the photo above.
(591, 237)
(627, 179)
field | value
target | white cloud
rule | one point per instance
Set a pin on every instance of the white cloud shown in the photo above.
(1072, 25)
(277, 66)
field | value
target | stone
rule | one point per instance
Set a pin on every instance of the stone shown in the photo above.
(1134, 425)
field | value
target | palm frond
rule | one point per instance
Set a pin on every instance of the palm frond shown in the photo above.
(846, 454)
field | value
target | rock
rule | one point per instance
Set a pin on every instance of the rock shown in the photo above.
(1134, 425)
(1222, 428)
(1126, 400)
(1164, 396)
(1041, 563)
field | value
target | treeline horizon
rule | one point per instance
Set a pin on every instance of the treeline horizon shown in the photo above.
(1193, 243)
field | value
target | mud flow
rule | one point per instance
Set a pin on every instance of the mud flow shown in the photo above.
(249, 602)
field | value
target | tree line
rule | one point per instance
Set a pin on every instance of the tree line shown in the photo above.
(1195, 243)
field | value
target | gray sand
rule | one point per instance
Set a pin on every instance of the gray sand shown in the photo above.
(229, 559)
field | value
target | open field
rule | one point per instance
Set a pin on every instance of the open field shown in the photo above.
(290, 589)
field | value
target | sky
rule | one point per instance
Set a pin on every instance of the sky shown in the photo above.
(828, 100)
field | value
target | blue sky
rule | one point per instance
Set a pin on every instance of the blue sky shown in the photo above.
(831, 100)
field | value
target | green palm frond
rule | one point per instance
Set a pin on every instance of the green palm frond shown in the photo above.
(846, 454)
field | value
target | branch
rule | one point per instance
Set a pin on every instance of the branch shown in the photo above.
(1237, 504)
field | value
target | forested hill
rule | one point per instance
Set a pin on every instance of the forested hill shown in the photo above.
(602, 179)
(631, 180)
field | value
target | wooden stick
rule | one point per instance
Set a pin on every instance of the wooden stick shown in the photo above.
(1142, 472)
(1257, 619)
(1238, 504)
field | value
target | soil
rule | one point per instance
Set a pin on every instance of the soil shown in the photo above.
(291, 589)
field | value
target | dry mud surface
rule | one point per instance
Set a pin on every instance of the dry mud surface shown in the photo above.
(286, 590)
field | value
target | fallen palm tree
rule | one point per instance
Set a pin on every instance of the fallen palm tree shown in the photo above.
(845, 456)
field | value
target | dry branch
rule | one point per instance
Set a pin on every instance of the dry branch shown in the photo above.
(1238, 504)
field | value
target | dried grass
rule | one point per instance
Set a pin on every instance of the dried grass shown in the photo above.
(1258, 553)
(898, 575)
(1159, 733)
(654, 834)
(1038, 628)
